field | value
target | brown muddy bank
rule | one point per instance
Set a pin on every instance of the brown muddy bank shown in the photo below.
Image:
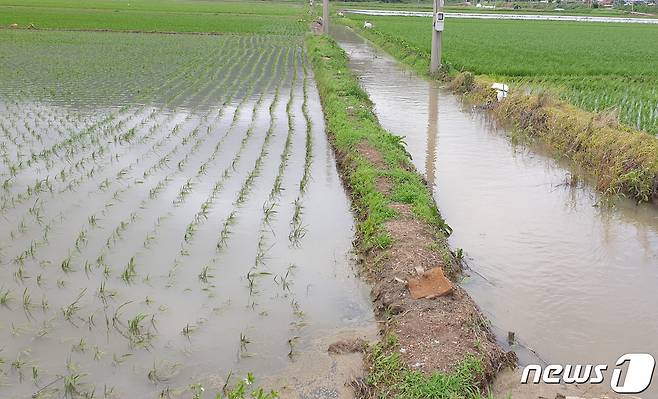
(620, 160)
(400, 236)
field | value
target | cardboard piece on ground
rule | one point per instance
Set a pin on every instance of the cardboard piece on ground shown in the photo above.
(431, 284)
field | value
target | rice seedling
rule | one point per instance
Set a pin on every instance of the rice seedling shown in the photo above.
(244, 341)
(137, 334)
(297, 230)
(70, 311)
(163, 372)
(205, 275)
(19, 365)
(105, 294)
(27, 303)
(129, 273)
(20, 275)
(105, 175)
(73, 383)
(5, 297)
(66, 265)
(98, 353)
(291, 345)
(118, 360)
(80, 347)
(188, 330)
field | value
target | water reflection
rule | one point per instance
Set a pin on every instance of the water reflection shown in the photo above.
(432, 134)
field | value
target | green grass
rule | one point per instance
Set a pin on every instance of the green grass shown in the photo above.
(594, 66)
(389, 376)
(280, 7)
(152, 16)
(351, 122)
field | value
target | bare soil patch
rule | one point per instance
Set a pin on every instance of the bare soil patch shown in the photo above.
(434, 334)
(369, 152)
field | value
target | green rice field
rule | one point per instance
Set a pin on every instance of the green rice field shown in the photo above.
(159, 16)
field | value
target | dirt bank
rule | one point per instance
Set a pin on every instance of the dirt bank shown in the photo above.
(621, 160)
(437, 343)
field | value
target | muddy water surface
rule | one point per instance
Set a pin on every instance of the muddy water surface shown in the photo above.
(164, 246)
(576, 282)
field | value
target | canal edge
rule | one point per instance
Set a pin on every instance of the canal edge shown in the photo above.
(400, 237)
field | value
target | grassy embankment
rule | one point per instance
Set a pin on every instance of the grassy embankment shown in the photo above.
(593, 87)
(157, 16)
(385, 188)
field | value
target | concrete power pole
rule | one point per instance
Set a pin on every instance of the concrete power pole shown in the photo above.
(325, 16)
(437, 30)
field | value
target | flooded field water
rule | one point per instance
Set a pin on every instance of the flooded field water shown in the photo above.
(179, 233)
(575, 281)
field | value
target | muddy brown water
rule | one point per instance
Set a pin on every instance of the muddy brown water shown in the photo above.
(261, 303)
(575, 281)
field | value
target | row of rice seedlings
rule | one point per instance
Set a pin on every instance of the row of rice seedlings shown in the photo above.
(172, 99)
(188, 185)
(68, 311)
(153, 192)
(308, 158)
(123, 170)
(45, 122)
(68, 159)
(76, 139)
(297, 228)
(176, 81)
(298, 323)
(76, 165)
(227, 173)
(47, 184)
(202, 215)
(117, 234)
(270, 205)
(244, 189)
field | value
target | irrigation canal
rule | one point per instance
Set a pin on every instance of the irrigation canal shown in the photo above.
(575, 281)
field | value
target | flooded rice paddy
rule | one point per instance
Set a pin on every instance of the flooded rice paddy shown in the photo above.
(575, 281)
(178, 232)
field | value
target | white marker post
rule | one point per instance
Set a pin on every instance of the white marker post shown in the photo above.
(325, 16)
(437, 30)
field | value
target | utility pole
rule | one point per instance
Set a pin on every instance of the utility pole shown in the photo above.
(325, 16)
(437, 30)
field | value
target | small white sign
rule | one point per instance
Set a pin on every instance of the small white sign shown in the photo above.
(438, 22)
